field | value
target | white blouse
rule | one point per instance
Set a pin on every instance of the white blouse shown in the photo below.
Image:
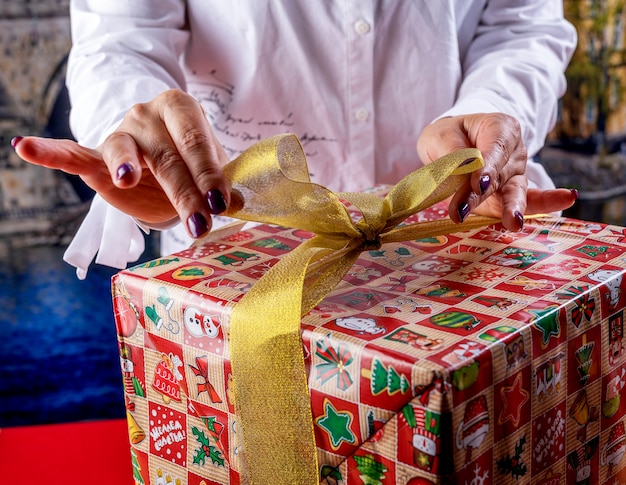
(355, 80)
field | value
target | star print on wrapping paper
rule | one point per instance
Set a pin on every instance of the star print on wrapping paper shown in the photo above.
(547, 321)
(513, 398)
(337, 425)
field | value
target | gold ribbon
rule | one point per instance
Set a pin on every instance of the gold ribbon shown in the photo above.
(270, 184)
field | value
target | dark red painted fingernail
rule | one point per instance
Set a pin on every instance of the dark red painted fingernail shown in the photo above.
(485, 182)
(16, 140)
(520, 219)
(463, 210)
(123, 170)
(575, 192)
(197, 224)
(217, 203)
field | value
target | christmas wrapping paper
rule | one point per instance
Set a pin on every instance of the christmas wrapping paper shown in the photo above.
(476, 357)
(470, 357)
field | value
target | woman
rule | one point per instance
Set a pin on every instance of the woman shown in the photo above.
(164, 93)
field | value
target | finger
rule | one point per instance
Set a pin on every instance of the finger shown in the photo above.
(161, 130)
(123, 159)
(546, 201)
(513, 197)
(203, 154)
(499, 139)
(444, 136)
(463, 202)
(75, 159)
(67, 156)
(172, 174)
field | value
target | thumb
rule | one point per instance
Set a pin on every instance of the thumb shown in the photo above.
(65, 155)
(440, 138)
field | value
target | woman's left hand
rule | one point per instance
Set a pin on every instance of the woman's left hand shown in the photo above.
(500, 188)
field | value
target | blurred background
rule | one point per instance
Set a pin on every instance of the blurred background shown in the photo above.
(58, 349)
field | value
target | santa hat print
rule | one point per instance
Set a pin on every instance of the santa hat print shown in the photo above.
(476, 415)
(474, 427)
(615, 447)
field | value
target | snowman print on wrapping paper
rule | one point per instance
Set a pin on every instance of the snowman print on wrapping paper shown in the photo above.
(613, 281)
(437, 266)
(200, 324)
(425, 426)
(360, 325)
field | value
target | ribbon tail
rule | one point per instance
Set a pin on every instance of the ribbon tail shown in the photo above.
(430, 184)
(268, 354)
(436, 228)
(325, 273)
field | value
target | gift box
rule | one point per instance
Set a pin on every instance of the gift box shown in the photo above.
(474, 357)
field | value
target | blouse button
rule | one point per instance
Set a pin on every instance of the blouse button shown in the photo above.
(362, 115)
(362, 27)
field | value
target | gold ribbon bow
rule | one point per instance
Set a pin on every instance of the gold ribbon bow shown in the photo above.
(270, 183)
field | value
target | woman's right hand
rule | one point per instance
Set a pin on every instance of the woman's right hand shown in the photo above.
(161, 162)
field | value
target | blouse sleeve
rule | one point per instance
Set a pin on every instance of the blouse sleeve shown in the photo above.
(514, 62)
(123, 52)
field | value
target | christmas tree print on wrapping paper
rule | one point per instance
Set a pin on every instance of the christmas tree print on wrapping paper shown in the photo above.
(372, 472)
(385, 379)
(136, 468)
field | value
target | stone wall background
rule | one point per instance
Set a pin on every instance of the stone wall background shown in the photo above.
(34, 43)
